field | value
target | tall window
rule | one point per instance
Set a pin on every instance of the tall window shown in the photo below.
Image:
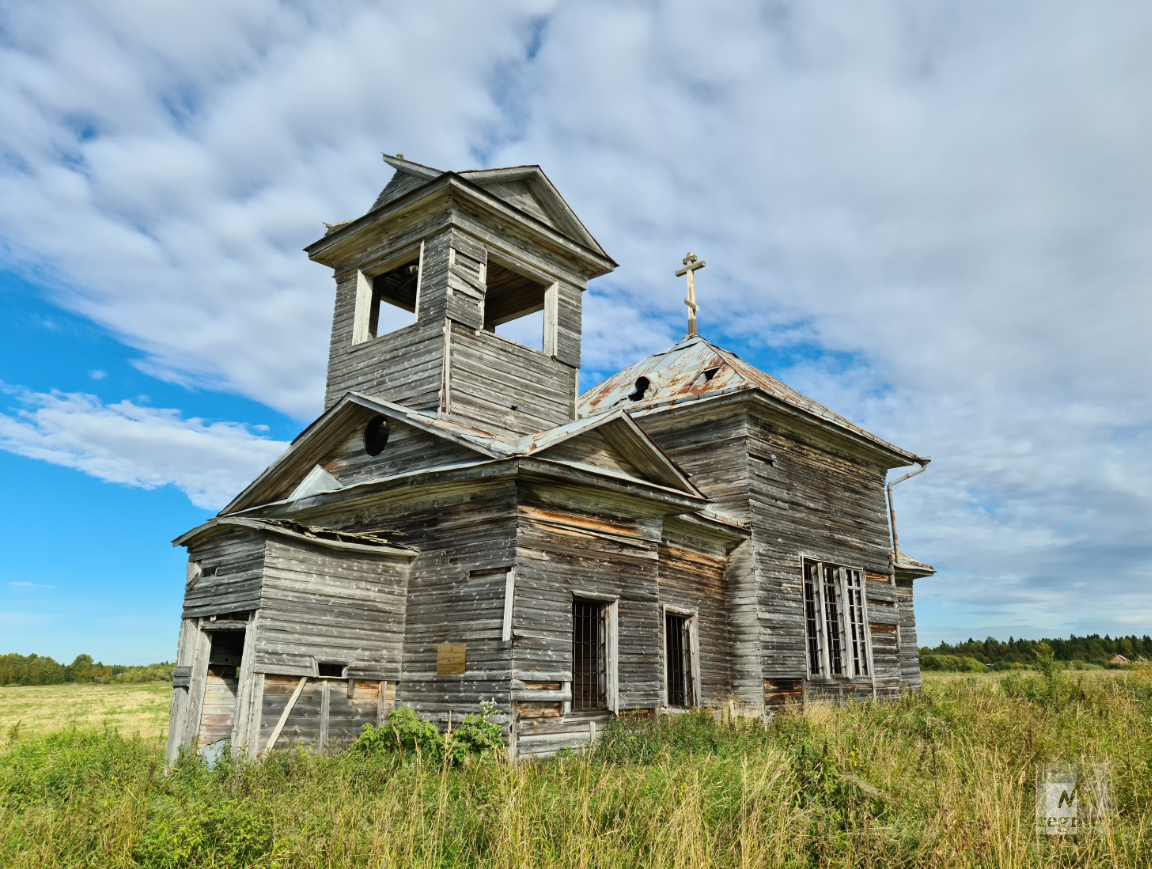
(678, 651)
(836, 632)
(589, 656)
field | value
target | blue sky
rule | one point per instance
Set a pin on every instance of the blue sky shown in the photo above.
(933, 218)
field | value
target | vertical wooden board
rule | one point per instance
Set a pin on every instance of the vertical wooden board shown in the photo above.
(178, 713)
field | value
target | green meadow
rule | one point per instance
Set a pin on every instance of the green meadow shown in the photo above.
(941, 778)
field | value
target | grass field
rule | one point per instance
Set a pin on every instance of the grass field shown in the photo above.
(137, 710)
(939, 779)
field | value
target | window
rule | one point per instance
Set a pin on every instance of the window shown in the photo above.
(678, 659)
(514, 306)
(589, 656)
(835, 621)
(332, 671)
(387, 301)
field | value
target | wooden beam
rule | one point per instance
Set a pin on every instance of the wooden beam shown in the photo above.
(361, 331)
(509, 598)
(325, 704)
(284, 715)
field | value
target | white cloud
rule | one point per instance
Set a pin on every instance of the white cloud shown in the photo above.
(137, 446)
(29, 585)
(943, 207)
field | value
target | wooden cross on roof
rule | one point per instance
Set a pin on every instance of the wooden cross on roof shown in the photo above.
(690, 266)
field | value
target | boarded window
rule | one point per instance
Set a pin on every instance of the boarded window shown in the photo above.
(678, 649)
(835, 621)
(589, 671)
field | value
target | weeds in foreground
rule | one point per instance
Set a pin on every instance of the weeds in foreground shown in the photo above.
(943, 778)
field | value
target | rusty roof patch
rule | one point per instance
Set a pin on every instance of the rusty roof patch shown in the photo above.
(695, 369)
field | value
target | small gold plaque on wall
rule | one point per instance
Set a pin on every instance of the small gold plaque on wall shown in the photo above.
(450, 660)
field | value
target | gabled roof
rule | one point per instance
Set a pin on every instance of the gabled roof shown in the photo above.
(298, 463)
(327, 431)
(695, 370)
(525, 188)
(349, 541)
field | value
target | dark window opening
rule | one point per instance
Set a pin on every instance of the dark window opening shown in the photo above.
(835, 620)
(709, 373)
(514, 306)
(678, 648)
(642, 385)
(832, 621)
(376, 436)
(331, 671)
(589, 675)
(855, 600)
(394, 299)
(811, 616)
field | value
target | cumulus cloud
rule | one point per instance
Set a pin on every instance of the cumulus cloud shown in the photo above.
(933, 217)
(137, 446)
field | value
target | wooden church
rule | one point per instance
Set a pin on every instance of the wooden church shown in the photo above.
(461, 524)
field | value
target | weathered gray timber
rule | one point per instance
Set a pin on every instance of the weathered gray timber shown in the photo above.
(460, 526)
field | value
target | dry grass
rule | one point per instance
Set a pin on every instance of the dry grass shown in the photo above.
(940, 779)
(138, 710)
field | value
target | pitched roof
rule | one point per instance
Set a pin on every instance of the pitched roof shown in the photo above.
(694, 370)
(297, 463)
(525, 188)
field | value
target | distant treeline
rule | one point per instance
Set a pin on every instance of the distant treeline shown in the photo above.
(35, 670)
(1090, 651)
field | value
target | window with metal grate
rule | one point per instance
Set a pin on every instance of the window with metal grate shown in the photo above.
(678, 647)
(589, 680)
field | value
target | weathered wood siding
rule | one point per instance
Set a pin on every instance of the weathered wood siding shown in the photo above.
(692, 578)
(409, 450)
(466, 539)
(909, 651)
(503, 387)
(573, 544)
(592, 449)
(402, 367)
(806, 501)
(332, 606)
(312, 721)
(231, 565)
(883, 617)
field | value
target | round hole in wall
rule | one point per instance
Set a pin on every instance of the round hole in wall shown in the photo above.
(376, 436)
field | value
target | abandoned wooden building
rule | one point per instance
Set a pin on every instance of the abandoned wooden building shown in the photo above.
(461, 524)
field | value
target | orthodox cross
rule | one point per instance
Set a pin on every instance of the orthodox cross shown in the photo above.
(690, 266)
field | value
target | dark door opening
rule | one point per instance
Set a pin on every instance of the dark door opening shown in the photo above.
(589, 681)
(222, 686)
(678, 648)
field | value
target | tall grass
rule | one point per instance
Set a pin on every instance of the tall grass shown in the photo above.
(943, 778)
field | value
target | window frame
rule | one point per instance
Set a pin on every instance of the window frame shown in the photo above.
(610, 616)
(692, 617)
(368, 301)
(848, 607)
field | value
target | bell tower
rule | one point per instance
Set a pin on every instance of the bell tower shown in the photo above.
(424, 279)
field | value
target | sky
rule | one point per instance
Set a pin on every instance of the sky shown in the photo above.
(935, 218)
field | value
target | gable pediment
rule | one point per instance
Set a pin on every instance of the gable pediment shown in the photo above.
(332, 453)
(611, 444)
